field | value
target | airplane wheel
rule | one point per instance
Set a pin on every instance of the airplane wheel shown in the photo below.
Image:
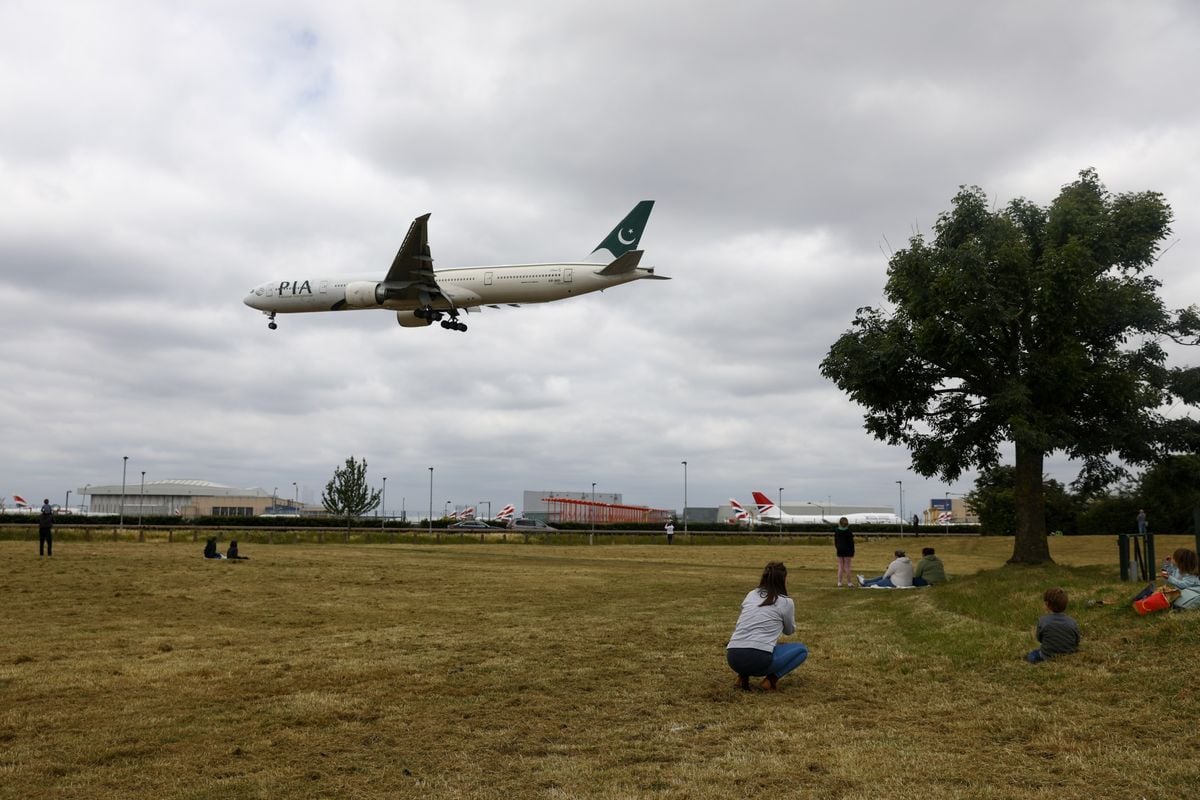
(272, 325)
(462, 326)
(446, 324)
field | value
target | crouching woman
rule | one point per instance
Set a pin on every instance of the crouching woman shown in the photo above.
(767, 613)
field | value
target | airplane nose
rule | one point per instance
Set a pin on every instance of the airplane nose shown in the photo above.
(251, 299)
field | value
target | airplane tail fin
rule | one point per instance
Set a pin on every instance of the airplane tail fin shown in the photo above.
(740, 514)
(20, 501)
(624, 237)
(765, 506)
(507, 512)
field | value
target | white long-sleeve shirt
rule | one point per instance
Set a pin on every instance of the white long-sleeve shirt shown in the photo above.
(759, 627)
(900, 571)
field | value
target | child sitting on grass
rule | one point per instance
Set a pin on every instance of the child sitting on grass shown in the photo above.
(1182, 588)
(1057, 633)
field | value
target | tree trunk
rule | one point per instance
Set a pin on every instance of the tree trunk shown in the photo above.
(1030, 546)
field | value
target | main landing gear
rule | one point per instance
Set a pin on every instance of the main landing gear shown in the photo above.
(451, 324)
(271, 324)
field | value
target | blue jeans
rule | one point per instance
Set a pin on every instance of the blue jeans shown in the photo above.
(1035, 656)
(786, 657)
(881, 581)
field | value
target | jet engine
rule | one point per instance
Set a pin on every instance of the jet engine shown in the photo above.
(364, 294)
(409, 319)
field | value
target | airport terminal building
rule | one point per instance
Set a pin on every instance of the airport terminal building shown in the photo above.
(184, 498)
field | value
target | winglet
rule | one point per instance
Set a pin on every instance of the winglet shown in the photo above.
(625, 236)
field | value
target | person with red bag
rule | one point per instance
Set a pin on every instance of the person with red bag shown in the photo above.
(1182, 588)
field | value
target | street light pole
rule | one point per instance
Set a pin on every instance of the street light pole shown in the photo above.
(781, 511)
(901, 485)
(274, 500)
(431, 501)
(592, 512)
(67, 504)
(124, 464)
(141, 503)
(684, 495)
(297, 490)
(383, 503)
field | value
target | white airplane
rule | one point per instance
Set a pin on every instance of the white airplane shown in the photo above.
(741, 517)
(420, 296)
(770, 514)
(21, 506)
(505, 514)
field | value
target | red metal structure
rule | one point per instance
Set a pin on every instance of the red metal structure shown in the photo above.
(566, 509)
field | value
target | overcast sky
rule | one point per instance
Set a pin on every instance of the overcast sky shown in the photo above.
(157, 160)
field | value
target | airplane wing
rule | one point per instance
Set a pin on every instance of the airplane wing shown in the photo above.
(411, 275)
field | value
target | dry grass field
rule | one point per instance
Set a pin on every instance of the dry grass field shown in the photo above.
(139, 670)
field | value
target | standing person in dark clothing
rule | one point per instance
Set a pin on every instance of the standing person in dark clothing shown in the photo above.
(843, 545)
(1141, 520)
(46, 529)
(1058, 633)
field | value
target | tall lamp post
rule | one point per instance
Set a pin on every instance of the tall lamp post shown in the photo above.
(297, 493)
(431, 501)
(274, 499)
(124, 464)
(592, 513)
(901, 485)
(67, 504)
(781, 511)
(684, 495)
(383, 503)
(141, 504)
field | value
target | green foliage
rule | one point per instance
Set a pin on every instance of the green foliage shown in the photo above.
(1111, 513)
(994, 500)
(1170, 493)
(1030, 325)
(347, 493)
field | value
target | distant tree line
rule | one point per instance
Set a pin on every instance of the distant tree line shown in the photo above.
(1169, 491)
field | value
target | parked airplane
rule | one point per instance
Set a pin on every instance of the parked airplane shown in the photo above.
(506, 513)
(420, 296)
(770, 514)
(741, 517)
(466, 513)
(20, 506)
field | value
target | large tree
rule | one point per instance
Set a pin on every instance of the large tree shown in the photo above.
(1039, 327)
(347, 493)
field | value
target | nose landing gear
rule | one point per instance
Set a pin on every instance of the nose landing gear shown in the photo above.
(271, 324)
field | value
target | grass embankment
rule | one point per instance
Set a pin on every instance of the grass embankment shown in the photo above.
(140, 670)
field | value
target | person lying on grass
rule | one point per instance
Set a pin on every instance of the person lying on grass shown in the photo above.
(899, 575)
(754, 649)
(1182, 587)
(1058, 633)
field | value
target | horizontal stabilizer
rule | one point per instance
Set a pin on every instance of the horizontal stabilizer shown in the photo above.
(624, 263)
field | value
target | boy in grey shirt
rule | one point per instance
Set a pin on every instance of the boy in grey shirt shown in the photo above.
(1058, 633)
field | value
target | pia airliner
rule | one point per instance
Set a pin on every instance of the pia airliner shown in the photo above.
(420, 296)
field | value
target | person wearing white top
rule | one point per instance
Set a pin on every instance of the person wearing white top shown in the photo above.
(899, 575)
(754, 648)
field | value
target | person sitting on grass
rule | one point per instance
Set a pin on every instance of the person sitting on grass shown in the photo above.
(754, 649)
(929, 570)
(210, 548)
(899, 575)
(232, 552)
(1057, 633)
(1182, 588)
